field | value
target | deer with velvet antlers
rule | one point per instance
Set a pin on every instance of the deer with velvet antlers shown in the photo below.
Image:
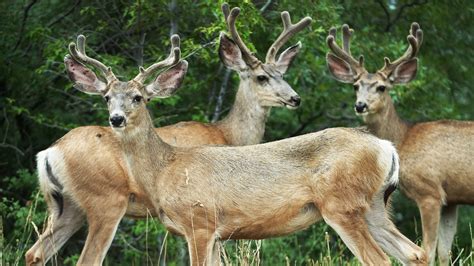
(81, 173)
(207, 194)
(436, 168)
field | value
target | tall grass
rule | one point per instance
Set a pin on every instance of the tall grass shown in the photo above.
(146, 242)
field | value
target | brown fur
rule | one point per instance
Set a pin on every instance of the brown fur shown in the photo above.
(339, 175)
(105, 169)
(87, 175)
(436, 168)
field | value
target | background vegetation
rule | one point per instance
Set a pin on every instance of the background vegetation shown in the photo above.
(38, 104)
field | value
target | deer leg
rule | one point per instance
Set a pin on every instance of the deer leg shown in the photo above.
(58, 230)
(430, 210)
(103, 221)
(389, 238)
(353, 230)
(447, 229)
(203, 248)
(216, 253)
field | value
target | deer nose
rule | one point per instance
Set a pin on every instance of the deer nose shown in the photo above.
(296, 100)
(360, 107)
(117, 120)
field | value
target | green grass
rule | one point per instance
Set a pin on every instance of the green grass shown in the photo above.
(146, 242)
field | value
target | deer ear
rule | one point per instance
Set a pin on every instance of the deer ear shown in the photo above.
(230, 53)
(168, 81)
(340, 70)
(84, 79)
(405, 72)
(286, 58)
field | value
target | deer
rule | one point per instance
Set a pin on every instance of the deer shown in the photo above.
(87, 159)
(212, 193)
(436, 169)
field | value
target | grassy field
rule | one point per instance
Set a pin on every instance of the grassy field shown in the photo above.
(146, 242)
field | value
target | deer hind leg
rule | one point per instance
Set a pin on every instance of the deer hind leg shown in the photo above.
(447, 229)
(216, 253)
(351, 226)
(103, 221)
(203, 248)
(430, 210)
(389, 238)
(58, 230)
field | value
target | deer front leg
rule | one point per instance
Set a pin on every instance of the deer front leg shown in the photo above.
(447, 229)
(430, 209)
(352, 228)
(203, 248)
(58, 230)
(103, 221)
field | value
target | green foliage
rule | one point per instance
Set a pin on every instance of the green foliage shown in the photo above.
(20, 215)
(38, 104)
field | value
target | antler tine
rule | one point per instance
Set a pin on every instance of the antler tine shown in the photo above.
(226, 10)
(346, 43)
(230, 17)
(345, 52)
(289, 30)
(172, 59)
(346, 38)
(79, 53)
(332, 32)
(417, 32)
(414, 38)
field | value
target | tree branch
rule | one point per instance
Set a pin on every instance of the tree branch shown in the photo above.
(23, 22)
(387, 14)
(403, 7)
(141, 42)
(7, 125)
(173, 23)
(10, 146)
(390, 21)
(65, 14)
(265, 6)
(212, 92)
(220, 97)
(303, 125)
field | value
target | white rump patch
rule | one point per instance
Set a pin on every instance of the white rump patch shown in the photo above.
(388, 159)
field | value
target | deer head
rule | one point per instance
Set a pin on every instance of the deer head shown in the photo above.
(125, 99)
(372, 89)
(265, 79)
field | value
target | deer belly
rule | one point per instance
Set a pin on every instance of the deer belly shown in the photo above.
(279, 224)
(459, 191)
(307, 216)
(139, 207)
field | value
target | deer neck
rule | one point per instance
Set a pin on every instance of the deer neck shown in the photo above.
(386, 124)
(145, 153)
(245, 123)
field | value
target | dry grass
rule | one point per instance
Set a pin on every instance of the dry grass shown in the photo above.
(282, 251)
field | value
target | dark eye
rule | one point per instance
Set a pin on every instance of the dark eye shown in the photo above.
(262, 78)
(381, 88)
(137, 99)
(356, 87)
(107, 98)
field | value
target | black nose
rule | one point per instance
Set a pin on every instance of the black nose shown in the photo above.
(360, 107)
(296, 100)
(117, 120)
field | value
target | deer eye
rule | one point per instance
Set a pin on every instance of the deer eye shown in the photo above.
(137, 99)
(107, 98)
(381, 88)
(262, 78)
(356, 87)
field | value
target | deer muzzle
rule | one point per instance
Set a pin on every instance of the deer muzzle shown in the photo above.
(117, 120)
